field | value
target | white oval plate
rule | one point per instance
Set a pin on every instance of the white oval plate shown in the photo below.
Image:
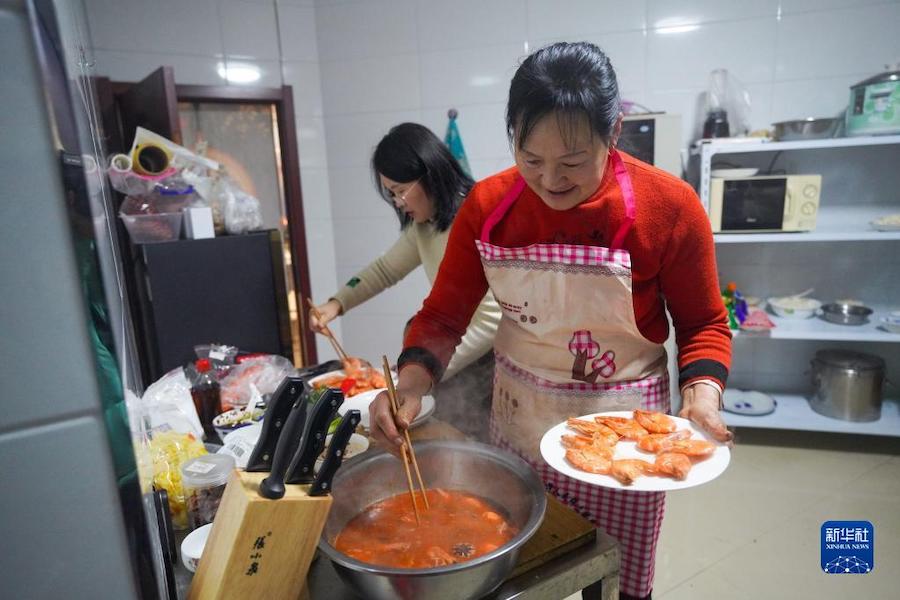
(733, 173)
(702, 472)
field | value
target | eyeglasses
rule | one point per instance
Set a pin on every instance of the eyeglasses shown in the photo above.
(401, 198)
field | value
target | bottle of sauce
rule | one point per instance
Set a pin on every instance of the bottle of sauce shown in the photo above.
(207, 401)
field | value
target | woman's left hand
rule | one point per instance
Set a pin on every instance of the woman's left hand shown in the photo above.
(700, 404)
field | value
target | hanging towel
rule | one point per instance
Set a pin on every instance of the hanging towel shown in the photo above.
(454, 142)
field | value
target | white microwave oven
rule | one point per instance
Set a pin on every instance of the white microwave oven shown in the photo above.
(764, 203)
(654, 138)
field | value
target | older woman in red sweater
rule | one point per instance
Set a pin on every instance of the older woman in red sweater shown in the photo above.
(584, 248)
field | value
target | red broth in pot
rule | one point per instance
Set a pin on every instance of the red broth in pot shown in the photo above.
(458, 527)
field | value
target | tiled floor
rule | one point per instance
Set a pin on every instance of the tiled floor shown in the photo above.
(754, 532)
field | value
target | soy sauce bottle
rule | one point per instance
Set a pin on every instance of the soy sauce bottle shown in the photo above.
(207, 400)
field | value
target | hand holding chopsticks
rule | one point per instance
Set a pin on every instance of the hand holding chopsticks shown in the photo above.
(406, 450)
(328, 333)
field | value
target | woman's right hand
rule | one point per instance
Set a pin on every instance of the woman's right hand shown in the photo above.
(327, 313)
(414, 382)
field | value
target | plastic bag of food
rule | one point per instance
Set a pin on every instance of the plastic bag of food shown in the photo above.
(264, 372)
(167, 433)
(169, 450)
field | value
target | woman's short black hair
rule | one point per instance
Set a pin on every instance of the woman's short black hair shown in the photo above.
(411, 152)
(573, 80)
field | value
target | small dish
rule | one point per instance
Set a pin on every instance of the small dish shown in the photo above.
(733, 173)
(891, 322)
(193, 545)
(887, 223)
(234, 419)
(846, 314)
(356, 445)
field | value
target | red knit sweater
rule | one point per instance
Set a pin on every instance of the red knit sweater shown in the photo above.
(672, 254)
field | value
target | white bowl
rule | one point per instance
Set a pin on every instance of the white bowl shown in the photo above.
(794, 308)
(891, 322)
(192, 547)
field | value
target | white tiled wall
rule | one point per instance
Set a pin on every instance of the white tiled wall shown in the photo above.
(383, 62)
(360, 66)
(131, 38)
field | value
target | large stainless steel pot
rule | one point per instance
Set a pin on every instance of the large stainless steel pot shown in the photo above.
(498, 476)
(848, 385)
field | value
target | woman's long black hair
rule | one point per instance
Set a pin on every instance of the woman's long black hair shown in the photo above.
(573, 80)
(411, 152)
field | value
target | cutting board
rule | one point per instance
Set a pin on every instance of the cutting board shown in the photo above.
(562, 531)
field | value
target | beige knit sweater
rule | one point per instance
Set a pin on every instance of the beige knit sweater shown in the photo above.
(421, 244)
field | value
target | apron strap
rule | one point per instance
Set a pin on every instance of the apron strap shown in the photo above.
(624, 181)
(518, 185)
(511, 195)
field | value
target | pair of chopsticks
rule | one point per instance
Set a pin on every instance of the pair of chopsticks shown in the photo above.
(328, 333)
(406, 450)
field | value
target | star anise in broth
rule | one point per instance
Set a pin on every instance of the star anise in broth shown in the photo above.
(463, 550)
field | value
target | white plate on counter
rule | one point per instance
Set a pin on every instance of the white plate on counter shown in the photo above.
(703, 471)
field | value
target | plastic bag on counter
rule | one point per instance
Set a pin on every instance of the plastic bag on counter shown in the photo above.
(168, 405)
(264, 372)
(221, 356)
(242, 213)
(167, 433)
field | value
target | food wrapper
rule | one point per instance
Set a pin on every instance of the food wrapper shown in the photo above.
(168, 450)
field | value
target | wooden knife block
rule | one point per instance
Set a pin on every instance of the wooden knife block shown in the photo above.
(260, 548)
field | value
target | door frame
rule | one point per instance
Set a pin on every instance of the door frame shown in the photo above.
(283, 99)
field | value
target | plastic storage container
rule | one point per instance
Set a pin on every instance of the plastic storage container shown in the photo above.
(203, 480)
(147, 229)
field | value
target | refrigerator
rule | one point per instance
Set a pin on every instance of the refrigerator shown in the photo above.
(75, 519)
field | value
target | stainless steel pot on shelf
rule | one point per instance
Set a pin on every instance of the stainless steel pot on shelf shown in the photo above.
(848, 385)
(502, 478)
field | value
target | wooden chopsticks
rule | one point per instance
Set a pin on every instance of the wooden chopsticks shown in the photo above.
(406, 450)
(328, 333)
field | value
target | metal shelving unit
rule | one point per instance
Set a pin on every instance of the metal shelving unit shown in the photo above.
(839, 222)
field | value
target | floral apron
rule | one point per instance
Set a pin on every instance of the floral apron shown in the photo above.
(569, 345)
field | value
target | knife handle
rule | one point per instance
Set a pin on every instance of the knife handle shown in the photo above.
(320, 417)
(273, 486)
(335, 456)
(276, 417)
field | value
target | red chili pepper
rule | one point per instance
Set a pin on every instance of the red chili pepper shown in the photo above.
(347, 385)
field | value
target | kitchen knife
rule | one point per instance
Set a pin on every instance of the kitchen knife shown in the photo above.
(273, 486)
(335, 455)
(277, 412)
(321, 415)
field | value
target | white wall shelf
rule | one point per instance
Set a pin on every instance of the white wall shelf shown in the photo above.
(818, 329)
(763, 145)
(793, 412)
(834, 224)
